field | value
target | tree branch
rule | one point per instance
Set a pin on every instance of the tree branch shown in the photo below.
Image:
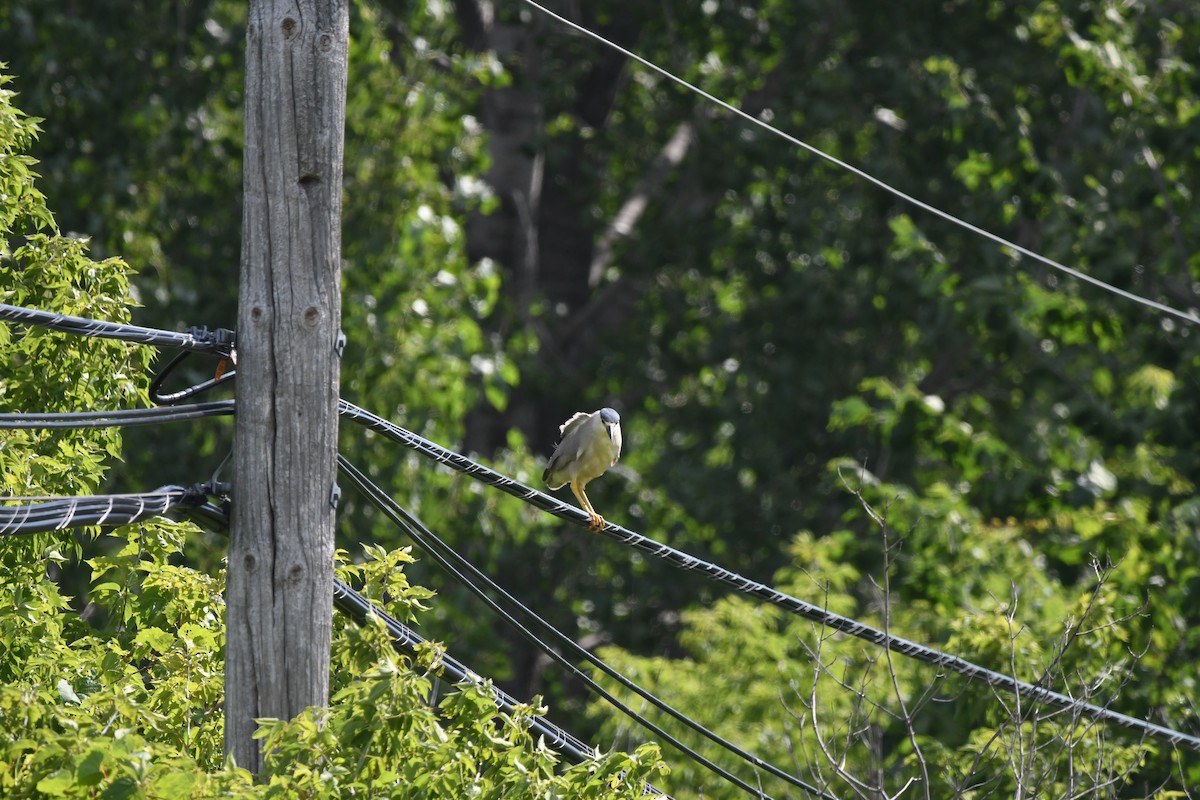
(665, 163)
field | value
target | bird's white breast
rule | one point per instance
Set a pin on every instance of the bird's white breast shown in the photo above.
(595, 454)
(615, 445)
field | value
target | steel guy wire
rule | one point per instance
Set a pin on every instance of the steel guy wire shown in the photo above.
(219, 342)
(1188, 316)
(444, 556)
(760, 591)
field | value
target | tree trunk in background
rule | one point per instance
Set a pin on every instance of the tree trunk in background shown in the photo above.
(280, 593)
(543, 235)
(509, 236)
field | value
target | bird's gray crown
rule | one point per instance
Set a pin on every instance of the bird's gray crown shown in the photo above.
(610, 416)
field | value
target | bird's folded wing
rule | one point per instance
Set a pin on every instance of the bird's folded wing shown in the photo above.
(565, 429)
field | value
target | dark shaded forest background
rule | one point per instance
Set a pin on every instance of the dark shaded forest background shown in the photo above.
(534, 227)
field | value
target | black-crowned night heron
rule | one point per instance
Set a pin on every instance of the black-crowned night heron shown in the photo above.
(590, 444)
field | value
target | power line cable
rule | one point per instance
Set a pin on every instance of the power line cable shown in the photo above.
(431, 542)
(1187, 316)
(200, 340)
(760, 591)
(443, 553)
(98, 510)
(472, 577)
(118, 418)
(451, 562)
(43, 514)
(406, 640)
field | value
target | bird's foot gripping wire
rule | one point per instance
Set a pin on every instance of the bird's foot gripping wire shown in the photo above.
(597, 522)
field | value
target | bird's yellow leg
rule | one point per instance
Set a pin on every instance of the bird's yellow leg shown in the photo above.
(597, 521)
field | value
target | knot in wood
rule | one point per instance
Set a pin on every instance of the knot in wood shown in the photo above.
(289, 27)
(312, 315)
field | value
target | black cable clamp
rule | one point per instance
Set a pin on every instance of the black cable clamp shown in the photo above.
(199, 493)
(224, 340)
(209, 501)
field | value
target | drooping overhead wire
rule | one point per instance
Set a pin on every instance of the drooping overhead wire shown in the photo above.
(43, 514)
(201, 340)
(475, 581)
(406, 640)
(117, 419)
(763, 592)
(1188, 316)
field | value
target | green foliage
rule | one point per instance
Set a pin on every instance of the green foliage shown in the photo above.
(1016, 431)
(382, 736)
(411, 298)
(124, 698)
(791, 349)
(124, 708)
(803, 695)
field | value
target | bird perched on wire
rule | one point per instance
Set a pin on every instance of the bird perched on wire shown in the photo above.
(590, 444)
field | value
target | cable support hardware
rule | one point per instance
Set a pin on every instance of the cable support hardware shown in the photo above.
(116, 419)
(475, 580)
(1188, 316)
(201, 340)
(763, 592)
(43, 514)
(405, 640)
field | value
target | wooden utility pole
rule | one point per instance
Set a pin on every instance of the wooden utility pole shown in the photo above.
(280, 580)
